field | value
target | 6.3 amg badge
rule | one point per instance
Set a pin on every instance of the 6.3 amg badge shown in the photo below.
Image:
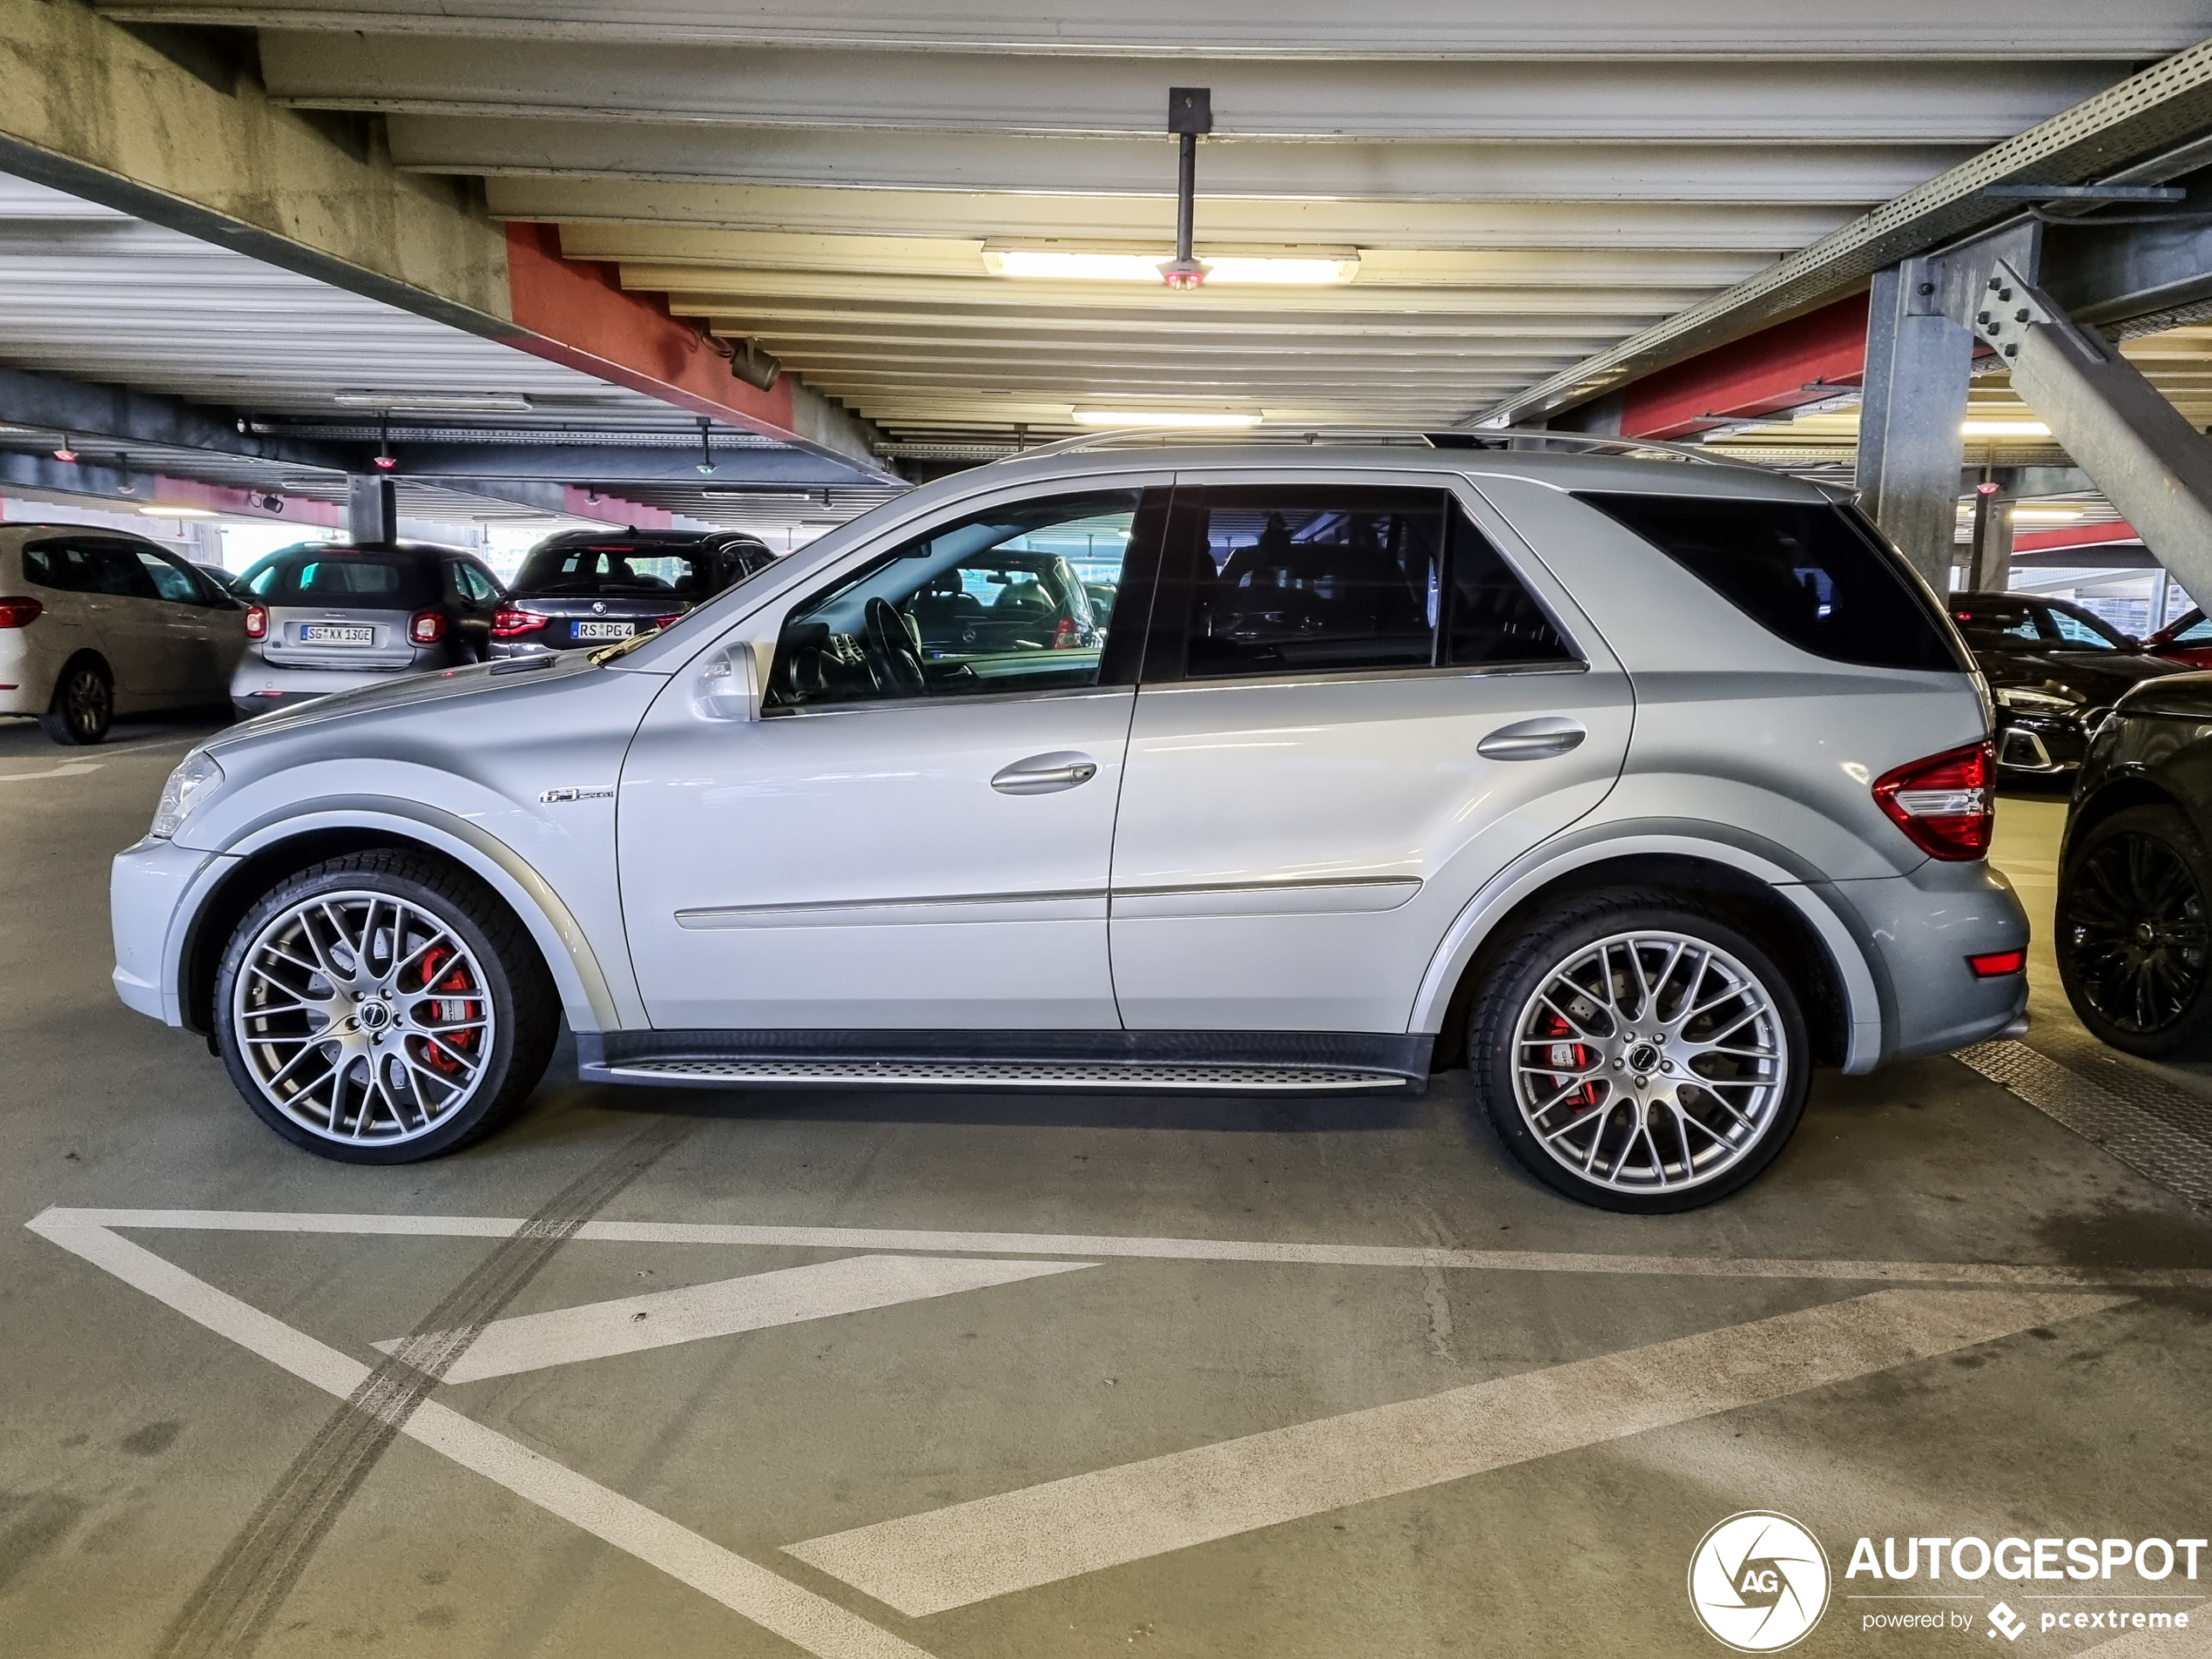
(1758, 1581)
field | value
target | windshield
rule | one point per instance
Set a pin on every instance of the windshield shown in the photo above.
(606, 569)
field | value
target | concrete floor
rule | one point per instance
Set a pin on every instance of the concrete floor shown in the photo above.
(180, 1477)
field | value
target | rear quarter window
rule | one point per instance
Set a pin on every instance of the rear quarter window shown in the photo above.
(1808, 572)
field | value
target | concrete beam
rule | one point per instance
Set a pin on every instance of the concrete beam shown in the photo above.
(1916, 367)
(1388, 29)
(88, 108)
(627, 80)
(31, 398)
(589, 463)
(1408, 171)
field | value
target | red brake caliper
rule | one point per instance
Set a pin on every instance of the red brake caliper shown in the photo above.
(1569, 1057)
(460, 1006)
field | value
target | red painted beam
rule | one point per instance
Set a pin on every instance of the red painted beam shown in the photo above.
(2074, 535)
(615, 510)
(577, 313)
(1800, 361)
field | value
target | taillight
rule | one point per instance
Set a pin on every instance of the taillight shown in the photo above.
(510, 620)
(666, 622)
(1998, 963)
(427, 627)
(18, 611)
(1944, 802)
(257, 622)
(1063, 637)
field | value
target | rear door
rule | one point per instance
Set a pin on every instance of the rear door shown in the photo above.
(1353, 712)
(147, 657)
(196, 663)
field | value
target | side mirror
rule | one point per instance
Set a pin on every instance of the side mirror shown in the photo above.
(728, 688)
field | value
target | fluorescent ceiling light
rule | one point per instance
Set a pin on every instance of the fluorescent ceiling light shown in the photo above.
(488, 403)
(2004, 429)
(177, 512)
(2047, 514)
(1161, 417)
(1145, 267)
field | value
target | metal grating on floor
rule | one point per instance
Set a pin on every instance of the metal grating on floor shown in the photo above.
(1024, 1074)
(2111, 1116)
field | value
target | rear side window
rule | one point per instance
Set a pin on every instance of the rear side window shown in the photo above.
(89, 566)
(1808, 572)
(366, 581)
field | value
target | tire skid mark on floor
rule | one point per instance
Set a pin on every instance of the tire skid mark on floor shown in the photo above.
(229, 1612)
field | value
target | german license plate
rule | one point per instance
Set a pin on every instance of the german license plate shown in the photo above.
(605, 629)
(323, 633)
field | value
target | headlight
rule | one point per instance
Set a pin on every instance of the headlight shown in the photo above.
(2024, 702)
(196, 775)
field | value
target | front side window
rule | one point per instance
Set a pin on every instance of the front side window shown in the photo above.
(1321, 578)
(169, 582)
(996, 600)
(1808, 571)
(2197, 633)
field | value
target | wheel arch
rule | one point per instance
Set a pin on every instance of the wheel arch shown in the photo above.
(2115, 796)
(271, 853)
(1763, 898)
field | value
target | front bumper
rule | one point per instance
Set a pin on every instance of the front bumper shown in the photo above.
(1918, 930)
(148, 886)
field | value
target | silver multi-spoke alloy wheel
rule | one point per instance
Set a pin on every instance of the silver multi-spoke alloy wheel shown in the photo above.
(1650, 1062)
(363, 1018)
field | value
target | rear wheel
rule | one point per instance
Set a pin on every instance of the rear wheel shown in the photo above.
(1638, 1054)
(2134, 932)
(83, 703)
(383, 1007)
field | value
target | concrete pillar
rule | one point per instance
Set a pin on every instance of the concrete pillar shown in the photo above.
(1910, 447)
(1989, 566)
(372, 508)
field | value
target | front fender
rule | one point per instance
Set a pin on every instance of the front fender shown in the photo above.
(1713, 843)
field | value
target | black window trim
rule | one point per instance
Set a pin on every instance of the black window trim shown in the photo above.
(1165, 643)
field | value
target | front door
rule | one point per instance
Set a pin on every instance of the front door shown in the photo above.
(1353, 713)
(913, 831)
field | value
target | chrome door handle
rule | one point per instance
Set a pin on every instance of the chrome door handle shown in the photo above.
(1043, 774)
(1538, 739)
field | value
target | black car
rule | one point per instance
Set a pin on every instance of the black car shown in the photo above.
(2134, 929)
(591, 588)
(2054, 671)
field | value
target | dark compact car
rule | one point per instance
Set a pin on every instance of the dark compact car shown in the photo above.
(330, 617)
(2054, 671)
(591, 588)
(2186, 639)
(2135, 905)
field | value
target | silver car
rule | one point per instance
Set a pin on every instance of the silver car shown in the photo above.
(1642, 788)
(331, 616)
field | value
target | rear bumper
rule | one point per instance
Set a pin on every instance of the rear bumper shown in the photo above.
(257, 688)
(1917, 931)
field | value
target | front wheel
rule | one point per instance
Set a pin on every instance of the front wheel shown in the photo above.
(1638, 1054)
(382, 1007)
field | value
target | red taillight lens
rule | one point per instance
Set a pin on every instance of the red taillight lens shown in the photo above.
(1998, 963)
(1944, 802)
(18, 611)
(510, 620)
(666, 622)
(427, 627)
(257, 622)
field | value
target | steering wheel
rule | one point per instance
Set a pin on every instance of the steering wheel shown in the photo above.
(894, 664)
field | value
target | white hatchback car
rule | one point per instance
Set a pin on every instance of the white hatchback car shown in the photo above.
(94, 623)
(1640, 787)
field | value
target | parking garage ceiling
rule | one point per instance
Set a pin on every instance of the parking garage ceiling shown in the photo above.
(1499, 195)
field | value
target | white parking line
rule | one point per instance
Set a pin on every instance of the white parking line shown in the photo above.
(811, 1623)
(660, 1319)
(67, 769)
(1195, 1249)
(947, 1558)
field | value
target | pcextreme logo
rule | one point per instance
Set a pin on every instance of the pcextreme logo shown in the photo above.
(1758, 1581)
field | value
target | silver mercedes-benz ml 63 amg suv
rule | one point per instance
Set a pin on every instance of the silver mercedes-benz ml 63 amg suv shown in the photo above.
(1641, 787)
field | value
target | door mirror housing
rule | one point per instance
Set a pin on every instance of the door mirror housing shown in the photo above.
(728, 687)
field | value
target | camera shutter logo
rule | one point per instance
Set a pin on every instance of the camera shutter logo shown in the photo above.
(1758, 1581)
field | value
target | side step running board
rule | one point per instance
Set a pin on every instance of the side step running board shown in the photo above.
(1224, 1063)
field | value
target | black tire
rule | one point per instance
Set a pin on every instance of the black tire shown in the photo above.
(2134, 930)
(504, 970)
(84, 703)
(1626, 1090)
